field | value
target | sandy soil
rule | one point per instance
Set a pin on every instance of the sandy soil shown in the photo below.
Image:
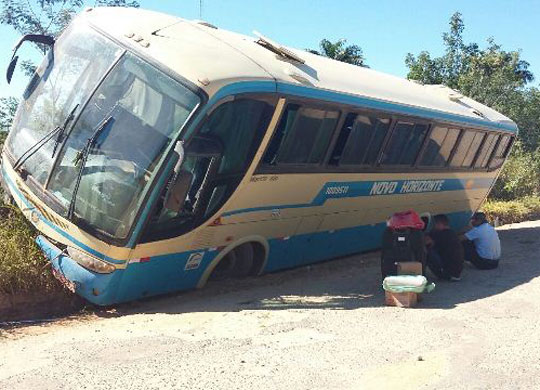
(320, 327)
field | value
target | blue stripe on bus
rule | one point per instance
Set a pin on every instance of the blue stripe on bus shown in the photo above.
(343, 98)
(63, 233)
(354, 100)
(365, 188)
(166, 273)
(392, 107)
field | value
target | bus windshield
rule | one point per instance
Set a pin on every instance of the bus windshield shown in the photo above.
(144, 110)
(65, 79)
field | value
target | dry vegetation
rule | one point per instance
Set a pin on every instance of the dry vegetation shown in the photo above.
(23, 267)
(511, 211)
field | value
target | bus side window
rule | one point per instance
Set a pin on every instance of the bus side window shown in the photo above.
(239, 126)
(473, 150)
(283, 128)
(360, 140)
(501, 152)
(486, 151)
(302, 136)
(468, 147)
(441, 142)
(404, 144)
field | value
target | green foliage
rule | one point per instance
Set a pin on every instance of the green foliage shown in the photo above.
(8, 107)
(48, 17)
(340, 51)
(498, 79)
(520, 176)
(22, 265)
(519, 210)
(480, 74)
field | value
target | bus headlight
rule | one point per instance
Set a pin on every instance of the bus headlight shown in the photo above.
(90, 262)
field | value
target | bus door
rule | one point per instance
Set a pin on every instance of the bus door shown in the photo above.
(216, 160)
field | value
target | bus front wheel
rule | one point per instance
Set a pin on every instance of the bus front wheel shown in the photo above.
(240, 262)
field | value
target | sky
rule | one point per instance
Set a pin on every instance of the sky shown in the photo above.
(385, 29)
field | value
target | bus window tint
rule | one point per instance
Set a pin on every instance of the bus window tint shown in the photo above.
(440, 145)
(405, 143)
(147, 110)
(467, 148)
(359, 140)
(304, 139)
(486, 150)
(462, 148)
(471, 153)
(216, 158)
(236, 126)
(502, 150)
(285, 125)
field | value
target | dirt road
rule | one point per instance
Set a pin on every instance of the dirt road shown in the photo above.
(322, 327)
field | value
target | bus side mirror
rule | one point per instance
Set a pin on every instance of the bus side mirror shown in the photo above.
(11, 68)
(35, 38)
(177, 193)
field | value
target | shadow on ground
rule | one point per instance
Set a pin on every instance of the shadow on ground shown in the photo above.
(349, 283)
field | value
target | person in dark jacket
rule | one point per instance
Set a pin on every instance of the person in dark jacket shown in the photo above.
(445, 256)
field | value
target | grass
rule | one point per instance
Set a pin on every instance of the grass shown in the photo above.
(511, 211)
(23, 268)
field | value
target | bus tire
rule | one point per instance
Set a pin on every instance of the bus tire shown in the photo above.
(248, 258)
(259, 259)
(244, 260)
(226, 268)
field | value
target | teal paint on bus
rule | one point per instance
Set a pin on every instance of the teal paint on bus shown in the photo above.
(167, 273)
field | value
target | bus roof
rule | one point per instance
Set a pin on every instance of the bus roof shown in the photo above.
(218, 60)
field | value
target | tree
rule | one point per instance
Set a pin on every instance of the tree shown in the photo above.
(351, 54)
(520, 177)
(48, 17)
(498, 79)
(463, 63)
(8, 106)
(492, 76)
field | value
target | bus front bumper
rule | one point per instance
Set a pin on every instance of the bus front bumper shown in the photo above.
(99, 289)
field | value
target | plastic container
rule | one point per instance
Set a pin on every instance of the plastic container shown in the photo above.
(407, 283)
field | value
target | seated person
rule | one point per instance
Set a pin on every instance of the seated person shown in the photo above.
(445, 252)
(482, 245)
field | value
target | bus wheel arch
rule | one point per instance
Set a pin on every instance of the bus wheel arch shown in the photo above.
(234, 255)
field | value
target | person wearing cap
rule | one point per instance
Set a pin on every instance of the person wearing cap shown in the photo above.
(482, 246)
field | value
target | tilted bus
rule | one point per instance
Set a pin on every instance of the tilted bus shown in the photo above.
(155, 153)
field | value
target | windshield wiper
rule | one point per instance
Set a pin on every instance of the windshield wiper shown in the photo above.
(38, 145)
(82, 157)
(60, 135)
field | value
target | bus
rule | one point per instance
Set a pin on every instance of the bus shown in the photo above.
(154, 154)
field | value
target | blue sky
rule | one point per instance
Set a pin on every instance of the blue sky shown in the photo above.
(385, 29)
